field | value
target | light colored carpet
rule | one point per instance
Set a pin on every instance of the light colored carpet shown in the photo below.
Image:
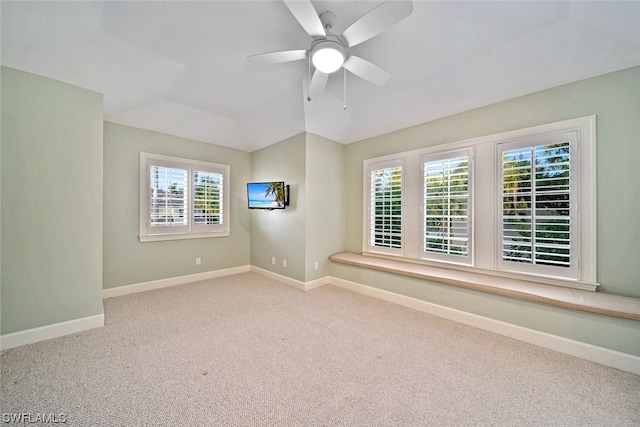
(244, 350)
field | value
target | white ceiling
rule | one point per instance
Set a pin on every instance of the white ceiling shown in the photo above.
(181, 67)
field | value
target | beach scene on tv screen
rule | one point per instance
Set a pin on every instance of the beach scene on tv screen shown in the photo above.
(266, 195)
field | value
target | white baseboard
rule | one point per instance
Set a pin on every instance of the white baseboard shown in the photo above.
(171, 281)
(47, 332)
(303, 286)
(604, 356)
(316, 283)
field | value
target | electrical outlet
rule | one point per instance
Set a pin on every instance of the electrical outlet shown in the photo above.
(315, 265)
(273, 260)
(198, 261)
(284, 263)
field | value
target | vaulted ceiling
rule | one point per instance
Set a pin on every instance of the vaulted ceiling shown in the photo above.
(181, 67)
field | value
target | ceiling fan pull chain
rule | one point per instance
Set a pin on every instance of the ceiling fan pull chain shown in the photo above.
(309, 90)
(344, 106)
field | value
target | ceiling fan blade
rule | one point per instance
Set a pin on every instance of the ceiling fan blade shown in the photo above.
(318, 83)
(366, 70)
(306, 15)
(277, 57)
(378, 19)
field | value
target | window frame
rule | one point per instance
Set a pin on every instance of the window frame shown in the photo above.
(487, 199)
(191, 230)
(531, 142)
(450, 155)
(367, 237)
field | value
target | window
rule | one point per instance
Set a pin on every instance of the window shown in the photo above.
(168, 196)
(182, 198)
(385, 207)
(208, 200)
(515, 204)
(446, 207)
(538, 208)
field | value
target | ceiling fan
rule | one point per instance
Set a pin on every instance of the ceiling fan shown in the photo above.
(329, 52)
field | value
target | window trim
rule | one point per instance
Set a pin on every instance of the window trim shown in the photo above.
(192, 230)
(486, 202)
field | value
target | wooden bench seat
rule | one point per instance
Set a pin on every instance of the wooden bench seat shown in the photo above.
(592, 302)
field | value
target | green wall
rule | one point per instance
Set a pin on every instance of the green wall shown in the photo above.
(312, 227)
(126, 260)
(615, 100)
(51, 193)
(281, 233)
(325, 224)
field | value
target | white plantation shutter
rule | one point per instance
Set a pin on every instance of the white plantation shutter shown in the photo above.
(519, 204)
(208, 203)
(385, 207)
(182, 198)
(538, 204)
(207, 197)
(446, 207)
(168, 197)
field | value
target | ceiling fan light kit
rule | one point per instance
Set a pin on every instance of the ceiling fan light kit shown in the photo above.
(328, 52)
(328, 55)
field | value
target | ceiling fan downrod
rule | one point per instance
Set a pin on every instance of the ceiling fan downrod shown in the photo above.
(328, 18)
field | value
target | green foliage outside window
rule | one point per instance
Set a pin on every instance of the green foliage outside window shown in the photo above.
(536, 205)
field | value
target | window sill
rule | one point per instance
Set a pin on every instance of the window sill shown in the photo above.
(576, 299)
(182, 236)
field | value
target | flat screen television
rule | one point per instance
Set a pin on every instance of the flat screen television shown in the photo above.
(267, 195)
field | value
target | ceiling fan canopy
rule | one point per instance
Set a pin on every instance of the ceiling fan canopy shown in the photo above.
(330, 52)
